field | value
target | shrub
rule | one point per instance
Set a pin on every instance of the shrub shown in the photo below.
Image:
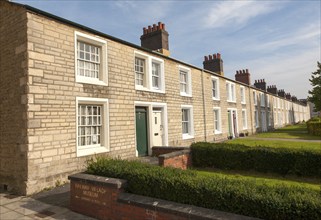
(314, 126)
(262, 159)
(240, 195)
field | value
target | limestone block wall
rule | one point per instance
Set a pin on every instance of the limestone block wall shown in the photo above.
(38, 100)
(13, 98)
(53, 91)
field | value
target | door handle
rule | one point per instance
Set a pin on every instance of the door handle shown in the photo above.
(156, 134)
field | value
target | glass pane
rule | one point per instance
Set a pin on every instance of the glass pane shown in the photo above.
(82, 130)
(83, 141)
(88, 131)
(87, 56)
(83, 121)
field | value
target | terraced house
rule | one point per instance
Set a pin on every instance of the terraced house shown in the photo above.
(69, 93)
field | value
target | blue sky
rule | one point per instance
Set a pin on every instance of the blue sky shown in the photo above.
(279, 41)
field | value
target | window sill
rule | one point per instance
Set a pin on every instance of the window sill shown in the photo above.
(216, 99)
(217, 132)
(243, 103)
(139, 88)
(88, 80)
(187, 136)
(91, 151)
(231, 101)
(185, 94)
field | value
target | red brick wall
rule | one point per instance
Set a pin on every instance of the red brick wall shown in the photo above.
(182, 161)
(101, 202)
(104, 198)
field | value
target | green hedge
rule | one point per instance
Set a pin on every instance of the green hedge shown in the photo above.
(262, 159)
(240, 195)
(314, 126)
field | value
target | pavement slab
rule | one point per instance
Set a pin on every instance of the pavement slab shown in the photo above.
(46, 205)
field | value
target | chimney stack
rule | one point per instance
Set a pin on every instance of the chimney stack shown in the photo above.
(260, 84)
(155, 38)
(281, 93)
(272, 89)
(294, 99)
(214, 63)
(288, 96)
(243, 76)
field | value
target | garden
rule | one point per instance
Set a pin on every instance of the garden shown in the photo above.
(258, 178)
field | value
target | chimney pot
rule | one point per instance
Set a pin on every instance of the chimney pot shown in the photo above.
(205, 58)
(214, 56)
(163, 26)
(218, 56)
(210, 57)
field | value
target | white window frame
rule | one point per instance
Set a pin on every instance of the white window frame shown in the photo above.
(148, 75)
(190, 134)
(256, 118)
(244, 119)
(219, 120)
(188, 93)
(103, 70)
(217, 89)
(230, 91)
(103, 147)
(262, 99)
(254, 98)
(242, 92)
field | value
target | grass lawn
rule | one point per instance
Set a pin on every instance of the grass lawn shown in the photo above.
(277, 144)
(298, 131)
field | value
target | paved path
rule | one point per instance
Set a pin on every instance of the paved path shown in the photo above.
(284, 139)
(53, 204)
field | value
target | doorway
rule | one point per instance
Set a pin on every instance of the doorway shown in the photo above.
(151, 126)
(232, 123)
(157, 128)
(141, 131)
(263, 120)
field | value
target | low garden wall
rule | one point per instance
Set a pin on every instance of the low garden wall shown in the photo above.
(177, 157)
(104, 198)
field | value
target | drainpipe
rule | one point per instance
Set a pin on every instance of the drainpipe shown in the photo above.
(204, 106)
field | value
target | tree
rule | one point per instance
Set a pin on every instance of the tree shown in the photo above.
(315, 93)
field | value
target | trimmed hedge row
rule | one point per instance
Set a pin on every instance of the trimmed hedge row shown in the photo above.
(314, 126)
(240, 195)
(262, 159)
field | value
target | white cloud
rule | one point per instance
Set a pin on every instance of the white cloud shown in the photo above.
(235, 12)
(306, 35)
(288, 72)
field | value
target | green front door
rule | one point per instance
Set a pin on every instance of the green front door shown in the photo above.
(141, 131)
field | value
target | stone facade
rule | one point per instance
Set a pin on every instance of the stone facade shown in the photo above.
(13, 98)
(40, 90)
